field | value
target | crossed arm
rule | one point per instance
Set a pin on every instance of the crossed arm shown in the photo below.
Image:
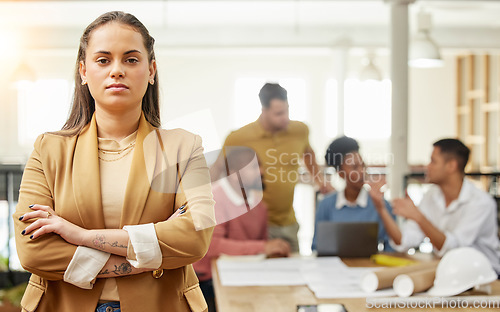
(49, 256)
(113, 241)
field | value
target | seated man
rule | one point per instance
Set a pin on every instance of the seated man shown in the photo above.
(354, 203)
(241, 217)
(453, 213)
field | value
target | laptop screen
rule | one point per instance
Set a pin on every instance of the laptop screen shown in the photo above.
(352, 239)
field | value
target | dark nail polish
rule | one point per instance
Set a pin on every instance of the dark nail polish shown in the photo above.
(21, 217)
(31, 206)
(31, 237)
(22, 233)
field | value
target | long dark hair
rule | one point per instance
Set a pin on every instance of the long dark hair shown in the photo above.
(83, 105)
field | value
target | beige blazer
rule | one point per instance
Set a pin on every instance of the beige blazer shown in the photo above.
(63, 172)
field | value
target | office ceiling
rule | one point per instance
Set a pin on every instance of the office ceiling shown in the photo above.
(250, 23)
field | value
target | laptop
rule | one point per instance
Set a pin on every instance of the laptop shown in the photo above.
(349, 240)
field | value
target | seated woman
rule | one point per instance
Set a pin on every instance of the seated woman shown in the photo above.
(355, 203)
(241, 218)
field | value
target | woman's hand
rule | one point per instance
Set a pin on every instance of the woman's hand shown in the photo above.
(377, 194)
(277, 248)
(49, 222)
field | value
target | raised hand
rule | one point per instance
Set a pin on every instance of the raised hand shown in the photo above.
(376, 193)
(405, 207)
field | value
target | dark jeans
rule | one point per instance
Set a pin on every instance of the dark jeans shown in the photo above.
(113, 306)
(207, 288)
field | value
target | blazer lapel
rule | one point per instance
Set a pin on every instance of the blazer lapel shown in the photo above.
(86, 179)
(138, 185)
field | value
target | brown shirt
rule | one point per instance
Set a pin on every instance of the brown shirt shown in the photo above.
(279, 155)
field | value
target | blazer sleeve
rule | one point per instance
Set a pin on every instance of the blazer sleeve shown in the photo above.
(49, 255)
(186, 238)
(222, 243)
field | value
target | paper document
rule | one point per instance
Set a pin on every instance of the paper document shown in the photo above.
(327, 277)
(268, 272)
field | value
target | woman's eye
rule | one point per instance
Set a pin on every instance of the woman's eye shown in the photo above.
(132, 60)
(102, 61)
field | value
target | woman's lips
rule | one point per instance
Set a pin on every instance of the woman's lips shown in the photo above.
(117, 87)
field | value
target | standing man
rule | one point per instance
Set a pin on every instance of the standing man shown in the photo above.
(453, 213)
(280, 144)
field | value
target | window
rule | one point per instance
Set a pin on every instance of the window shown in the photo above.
(331, 114)
(42, 106)
(367, 109)
(247, 106)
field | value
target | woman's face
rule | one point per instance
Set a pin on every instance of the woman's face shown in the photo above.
(353, 170)
(116, 67)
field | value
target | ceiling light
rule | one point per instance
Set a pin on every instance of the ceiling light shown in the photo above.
(424, 52)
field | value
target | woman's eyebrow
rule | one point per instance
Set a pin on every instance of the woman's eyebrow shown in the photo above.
(131, 51)
(109, 53)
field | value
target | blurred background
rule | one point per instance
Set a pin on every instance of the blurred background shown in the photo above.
(333, 57)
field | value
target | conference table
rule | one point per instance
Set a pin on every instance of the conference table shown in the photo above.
(286, 298)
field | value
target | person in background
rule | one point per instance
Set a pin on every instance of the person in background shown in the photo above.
(355, 203)
(93, 228)
(453, 212)
(281, 144)
(241, 218)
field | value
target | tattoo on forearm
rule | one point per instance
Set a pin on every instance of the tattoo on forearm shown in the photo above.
(122, 269)
(115, 244)
(104, 271)
(100, 241)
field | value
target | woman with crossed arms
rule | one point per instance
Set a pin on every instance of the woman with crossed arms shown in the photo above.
(112, 211)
